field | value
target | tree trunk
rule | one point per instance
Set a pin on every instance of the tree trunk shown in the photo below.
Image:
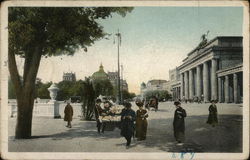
(24, 117)
(25, 91)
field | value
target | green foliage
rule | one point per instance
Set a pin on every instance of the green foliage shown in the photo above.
(42, 90)
(103, 87)
(57, 30)
(89, 96)
(66, 90)
(160, 94)
(127, 96)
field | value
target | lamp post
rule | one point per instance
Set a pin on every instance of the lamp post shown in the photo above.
(118, 66)
(122, 83)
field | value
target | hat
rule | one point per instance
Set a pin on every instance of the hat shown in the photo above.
(98, 100)
(215, 101)
(177, 103)
(139, 103)
(127, 104)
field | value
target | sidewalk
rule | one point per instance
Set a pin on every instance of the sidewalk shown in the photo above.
(51, 135)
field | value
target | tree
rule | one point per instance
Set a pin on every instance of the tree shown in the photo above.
(47, 31)
(89, 96)
(65, 90)
(42, 90)
(11, 90)
(103, 87)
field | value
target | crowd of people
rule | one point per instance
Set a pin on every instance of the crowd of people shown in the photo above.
(134, 124)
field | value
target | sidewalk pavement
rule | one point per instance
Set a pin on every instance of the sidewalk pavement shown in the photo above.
(51, 135)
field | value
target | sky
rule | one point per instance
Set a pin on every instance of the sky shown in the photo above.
(154, 40)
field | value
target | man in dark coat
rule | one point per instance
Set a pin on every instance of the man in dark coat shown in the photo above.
(68, 114)
(98, 113)
(127, 122)
(212, 118)
(179, 123)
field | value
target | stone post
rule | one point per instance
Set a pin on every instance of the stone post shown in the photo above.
(186, 84)
(198, 81)
(191, 84)
(219, 89)
(53, 93)
(235, 88)
(226, 89)
(182, 86)
(205, 81)
(214, 80)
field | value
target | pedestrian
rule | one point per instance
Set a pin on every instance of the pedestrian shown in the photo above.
(68, 114)
(127, 123)
(99, 112)
(212, 117)
(179, 123)
(141, 122)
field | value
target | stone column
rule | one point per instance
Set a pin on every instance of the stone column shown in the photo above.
(186, 85)
(198, 81)
(235, 88)
(226, 89)
(214, 80)
(191, 84)
(182, 86)
(205, 81)
(219, 89)
(174, 94)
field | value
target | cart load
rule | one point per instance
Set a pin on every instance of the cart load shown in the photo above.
(113, 119)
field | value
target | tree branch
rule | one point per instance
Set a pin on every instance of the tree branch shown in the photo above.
(14, 73)
(27, 63)
(30, 79)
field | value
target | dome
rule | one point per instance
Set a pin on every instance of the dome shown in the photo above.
(100, 75)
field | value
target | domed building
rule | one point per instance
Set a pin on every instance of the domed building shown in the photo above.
(100, 75)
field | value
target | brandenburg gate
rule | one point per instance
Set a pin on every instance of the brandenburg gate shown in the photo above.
(213, 71)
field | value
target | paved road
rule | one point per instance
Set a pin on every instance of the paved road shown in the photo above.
(51, 135)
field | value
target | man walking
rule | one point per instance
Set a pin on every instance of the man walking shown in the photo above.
(68, 114)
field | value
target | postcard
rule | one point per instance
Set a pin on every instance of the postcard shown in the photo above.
(124, 80)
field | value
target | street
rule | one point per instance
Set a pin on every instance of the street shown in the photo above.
(51, 135)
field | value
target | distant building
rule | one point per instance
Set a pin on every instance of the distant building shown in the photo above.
(156, 84)
(113, 77)
(69, 77)
(100, 74)
(175, 83)
(152, 85)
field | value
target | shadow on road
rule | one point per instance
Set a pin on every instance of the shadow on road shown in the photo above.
(200, 137)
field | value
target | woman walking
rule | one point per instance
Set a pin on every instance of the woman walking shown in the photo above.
(179, 123)
(141, 122)
(212, 118)
(127, 122)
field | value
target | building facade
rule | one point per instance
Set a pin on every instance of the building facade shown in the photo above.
(213, 71)
(69, 77)
(175, 84)
(153, 85)
(113, 77)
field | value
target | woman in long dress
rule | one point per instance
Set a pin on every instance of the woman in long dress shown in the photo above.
(179, 123)
(212, 118)
(127, 122)
(141, 122)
